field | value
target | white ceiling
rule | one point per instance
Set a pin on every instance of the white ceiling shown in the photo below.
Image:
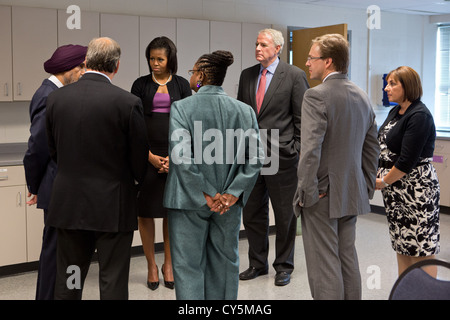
(422, 7)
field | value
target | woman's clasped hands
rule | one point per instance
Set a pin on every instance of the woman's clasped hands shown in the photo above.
(220, 202)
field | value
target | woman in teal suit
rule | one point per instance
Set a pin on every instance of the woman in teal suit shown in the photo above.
(215, 157)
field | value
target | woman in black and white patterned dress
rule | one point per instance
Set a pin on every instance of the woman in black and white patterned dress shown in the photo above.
(406, 177)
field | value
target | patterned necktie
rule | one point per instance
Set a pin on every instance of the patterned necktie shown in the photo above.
(261, 90)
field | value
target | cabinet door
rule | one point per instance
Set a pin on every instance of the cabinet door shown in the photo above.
(227, 36)
(125, 30)
(150, 28)
(192, 42)
(89, 28)
(13, 245)
(35, 227)
(6, 54)
(249, 35)
(34, 38)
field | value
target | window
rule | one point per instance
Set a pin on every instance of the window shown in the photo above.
(442, 97)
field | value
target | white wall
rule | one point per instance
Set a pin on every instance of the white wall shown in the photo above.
(402, 39)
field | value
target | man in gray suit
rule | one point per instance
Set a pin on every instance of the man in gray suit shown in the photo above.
(336, 171)
(275, 91)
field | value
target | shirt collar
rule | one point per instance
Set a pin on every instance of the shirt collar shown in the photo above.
(56, 81)
(331, 73)
(96, 72)
(271, 69)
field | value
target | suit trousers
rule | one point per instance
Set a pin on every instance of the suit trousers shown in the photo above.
(330, 253)
(280, 188)
(45, 286)
(75, 249)
(205, 255)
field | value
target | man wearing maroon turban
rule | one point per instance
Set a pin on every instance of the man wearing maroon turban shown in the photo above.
(65, 66)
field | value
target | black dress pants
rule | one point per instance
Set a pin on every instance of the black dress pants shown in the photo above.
(280, 189)
(74, 255)
(45, 285)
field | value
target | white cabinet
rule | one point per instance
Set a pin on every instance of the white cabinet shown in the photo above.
(125, 30)
(192, 42)
(35, 228)
(13, 237)
(34, 39)
(20, 226)
(227, 36)
(6, 93)
(441, 162)
(13, 246)
(150, 28)
(89, 28)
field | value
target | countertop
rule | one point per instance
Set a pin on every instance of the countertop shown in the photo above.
(11, 154)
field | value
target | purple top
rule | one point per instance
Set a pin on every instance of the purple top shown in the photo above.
(161, 103)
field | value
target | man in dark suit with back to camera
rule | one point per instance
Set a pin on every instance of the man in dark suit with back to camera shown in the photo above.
(66, 65)
(275, 91)
(97, 137)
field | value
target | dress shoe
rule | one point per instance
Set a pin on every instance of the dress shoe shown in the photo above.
(168, 284)
(282, 278)
(252, 273)
(153, 285)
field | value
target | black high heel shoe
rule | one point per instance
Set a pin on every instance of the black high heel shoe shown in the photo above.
(168, 284)
(153, 285)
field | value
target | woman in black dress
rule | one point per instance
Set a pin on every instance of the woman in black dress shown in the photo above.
(157, 91)
(406, 176)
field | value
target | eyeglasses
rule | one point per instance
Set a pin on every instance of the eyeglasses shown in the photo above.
(191, 72)
(313, 58)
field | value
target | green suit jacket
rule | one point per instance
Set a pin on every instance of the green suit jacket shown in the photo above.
(214, 147)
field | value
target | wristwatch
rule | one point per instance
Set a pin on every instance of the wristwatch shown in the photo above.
(384, 182)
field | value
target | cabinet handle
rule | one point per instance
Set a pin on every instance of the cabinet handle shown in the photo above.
(19, 88)
(3, 178)
(19, 199)
(6, 90)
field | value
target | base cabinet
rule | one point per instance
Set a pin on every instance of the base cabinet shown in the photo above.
(20, 225)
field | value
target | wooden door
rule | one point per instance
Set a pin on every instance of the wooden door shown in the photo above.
(301, 44)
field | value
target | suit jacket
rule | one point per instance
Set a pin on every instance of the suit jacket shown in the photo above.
(339, 149)
(206, 123)
(281, 107)
(40, 169)
(97, 137)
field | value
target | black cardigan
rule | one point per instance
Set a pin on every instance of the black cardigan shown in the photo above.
(412, 137)
(144, 87)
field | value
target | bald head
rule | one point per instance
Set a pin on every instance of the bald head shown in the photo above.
(103, 55)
